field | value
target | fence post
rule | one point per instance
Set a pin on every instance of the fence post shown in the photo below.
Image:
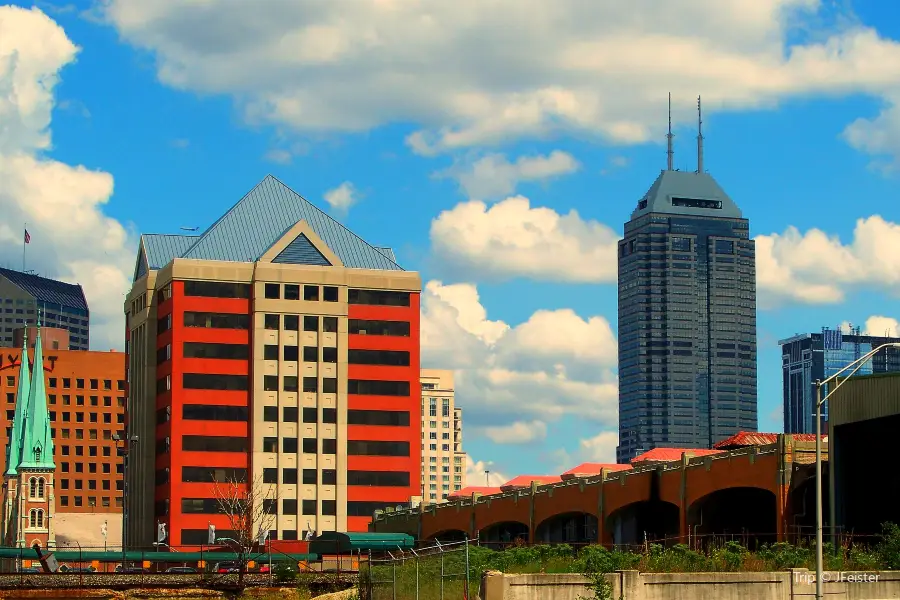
(442, 573)
(466, 588)
(394, 576)
(417, 576)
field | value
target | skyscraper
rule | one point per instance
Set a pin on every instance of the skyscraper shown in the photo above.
(807, 357)
(687, 316)
(62, 305)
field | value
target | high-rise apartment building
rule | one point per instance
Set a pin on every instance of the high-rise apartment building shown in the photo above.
(443, 459)
(277, 349)
(687, 317)
(62, 305)
(809, 357)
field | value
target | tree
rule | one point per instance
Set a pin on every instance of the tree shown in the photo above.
(249, 509)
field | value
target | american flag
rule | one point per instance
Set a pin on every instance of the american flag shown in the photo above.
(27, 237)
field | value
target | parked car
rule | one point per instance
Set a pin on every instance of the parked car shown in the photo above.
(30, 570)
(131, 570)
(227, 567)
(181, 570)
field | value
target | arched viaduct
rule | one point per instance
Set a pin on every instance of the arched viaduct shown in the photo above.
(759, 493)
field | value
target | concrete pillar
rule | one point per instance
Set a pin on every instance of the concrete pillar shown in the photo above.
(601, 509)
(531, 523)
(683, 531)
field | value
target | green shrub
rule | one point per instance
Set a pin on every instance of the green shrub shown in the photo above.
(888, 548)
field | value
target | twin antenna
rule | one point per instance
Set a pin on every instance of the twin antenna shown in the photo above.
(670, 153)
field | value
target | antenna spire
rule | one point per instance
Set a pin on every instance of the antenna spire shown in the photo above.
(699, 136)
(669, 152)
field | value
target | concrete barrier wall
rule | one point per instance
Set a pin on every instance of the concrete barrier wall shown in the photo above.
(798, 584)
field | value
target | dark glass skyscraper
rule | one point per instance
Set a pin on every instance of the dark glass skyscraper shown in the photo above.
(687, 318)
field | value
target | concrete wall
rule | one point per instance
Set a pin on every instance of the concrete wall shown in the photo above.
(632, 585)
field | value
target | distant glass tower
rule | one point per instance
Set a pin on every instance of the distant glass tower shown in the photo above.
(687, 316)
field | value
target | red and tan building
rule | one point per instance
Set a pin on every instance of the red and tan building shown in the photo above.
(279, 350)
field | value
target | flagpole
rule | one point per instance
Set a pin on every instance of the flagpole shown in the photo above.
(23, 246)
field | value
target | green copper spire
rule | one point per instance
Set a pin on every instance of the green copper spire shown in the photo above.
(15, 436)
(37, 443)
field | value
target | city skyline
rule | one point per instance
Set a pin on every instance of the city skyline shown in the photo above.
(524, 313)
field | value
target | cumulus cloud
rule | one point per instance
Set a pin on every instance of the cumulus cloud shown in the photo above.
(555, 363)
(513, 239)
(517, 432)
(71, 237)
(494, 175)
(817, 268)
(471, 74)
(476, 476)
(342, 197)
(601, 448)
(880, 325)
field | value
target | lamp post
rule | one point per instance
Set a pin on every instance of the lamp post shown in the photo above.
(487, 478)
(123, 450)
(856, 365)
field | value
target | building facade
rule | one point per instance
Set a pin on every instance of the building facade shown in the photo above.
(62, 305)
(85, 396)
(687, 318)
(443, 459)
(28, 479)
(809, 357)
(276, 350)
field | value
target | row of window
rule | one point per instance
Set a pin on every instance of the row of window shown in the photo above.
(292, 323)
(78, 501)
(53, 382)
(290, 414)
(290, 383)
(292, 292)
(203, 443)
(221, 289)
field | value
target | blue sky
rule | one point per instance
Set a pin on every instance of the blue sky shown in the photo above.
(165, 113)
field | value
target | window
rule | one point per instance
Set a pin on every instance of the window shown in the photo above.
(289, 445)
(393, 418)
(206, 412)
(310, 353)
(310, 446)
(329, 507)
(365, 387)
(329, 446)
(330, 293)
(270, 414)
(329, 415)
(273, 291)
(310, 384)
(309, 507)
(329, 477)
(216, 289)
(200, 506)
(216, 320)
(694, 203)
(270, 506)
(378, 297)
(212, 381)
(270, 444)
(364, 508)
(291, 353)
(270, 475)
(310, 323)
(270, 352)
(311, 292)
(378, 478)
(310, 477)
(271, 321)
(681, 244)
(391, 328)
(163, 354)
(162, 324)
(203, 443)
(329, 385)
(291, 291)
(212, 474)
(290, 414)
(289, 506)
(290, 383)
(289, 476)
(309, 415)
(724, 247)
(397, 358)
(163, 385)
(212, 350)
(329, 354)
(291, 322)
(330, 324)
(270, 383)
(377, 448)
(79, 383)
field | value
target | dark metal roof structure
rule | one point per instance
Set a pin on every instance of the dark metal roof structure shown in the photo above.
(48, 290)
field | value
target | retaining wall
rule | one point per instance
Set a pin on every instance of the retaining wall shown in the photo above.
(797, 584)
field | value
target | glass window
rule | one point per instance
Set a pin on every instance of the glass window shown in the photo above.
(273, 291)
(310, 292)
(330, 293)
(310, 323)
(291, 291)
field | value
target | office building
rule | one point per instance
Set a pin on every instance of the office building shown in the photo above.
(808, 357)
(276, 350)
(62, 305)
(687, 317)
(443, 459)
(85, 404)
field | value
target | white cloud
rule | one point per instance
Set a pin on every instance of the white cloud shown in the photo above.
(817, 268)
(475, 474)
(512, 239)
(555, 363)
(601, 448)
(342, 197)
(494, 175)
(517, 432)
(71, 237)
(880, 325)
(471, 73)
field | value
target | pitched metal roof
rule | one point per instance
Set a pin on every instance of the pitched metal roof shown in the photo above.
(389, 252)
(265, 214)
(689, 186)
(526, 481)
(162, 248)
(474, 489)
(753, 438)
(47, 290)
(588, 469)
(671, 454)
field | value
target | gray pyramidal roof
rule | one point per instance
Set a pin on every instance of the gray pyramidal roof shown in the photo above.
(687, 193)
(255, 224)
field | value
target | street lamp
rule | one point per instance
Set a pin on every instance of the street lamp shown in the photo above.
(856, 365)
(487, 478)
(123, 450)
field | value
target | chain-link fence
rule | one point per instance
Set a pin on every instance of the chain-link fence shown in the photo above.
(438, 572)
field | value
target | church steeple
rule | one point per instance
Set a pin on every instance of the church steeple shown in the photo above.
(37, 441)
(22, 394)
